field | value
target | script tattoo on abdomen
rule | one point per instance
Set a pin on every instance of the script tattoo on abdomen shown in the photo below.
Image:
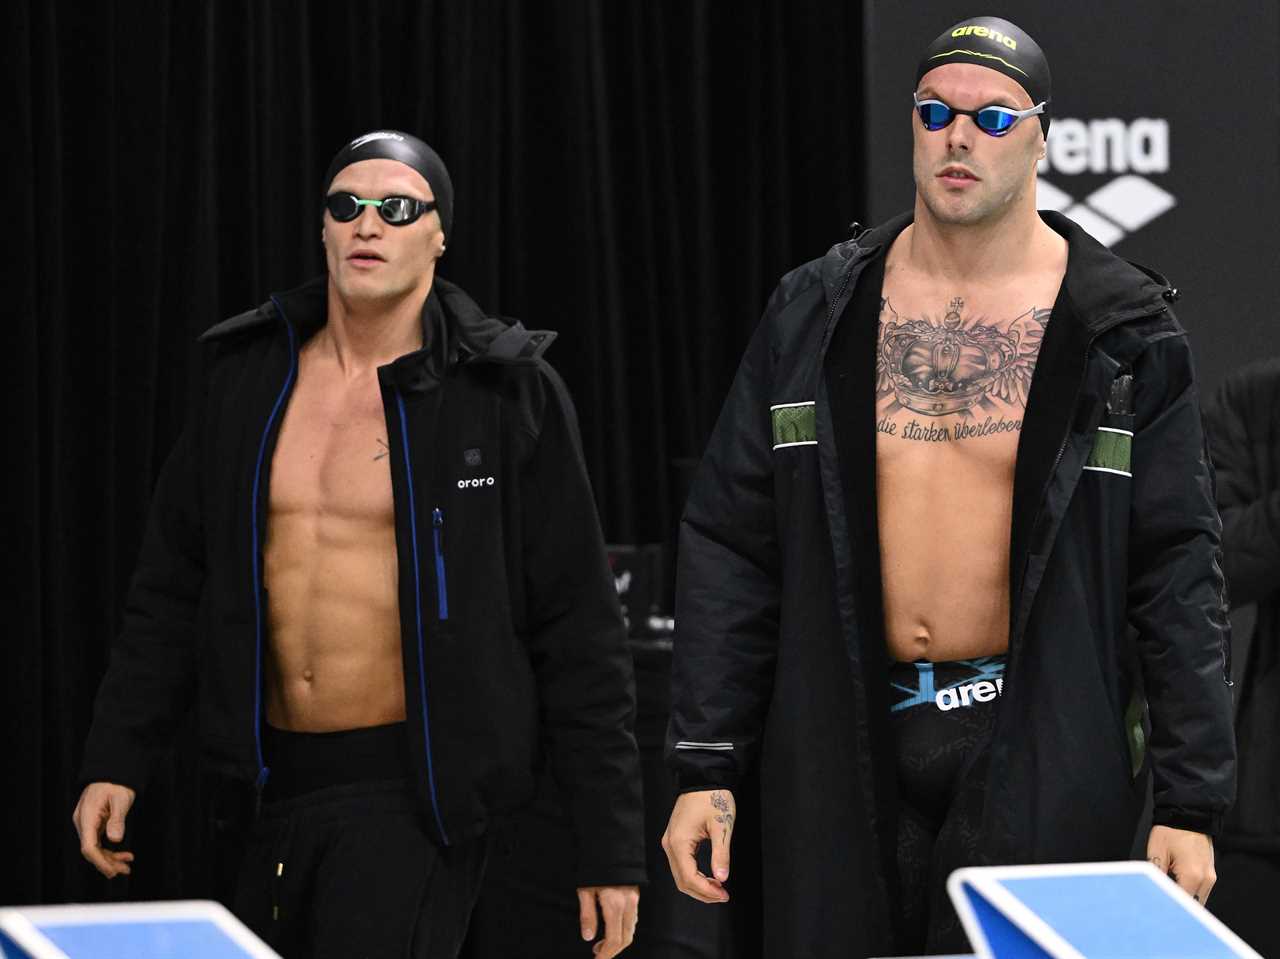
(978, 370)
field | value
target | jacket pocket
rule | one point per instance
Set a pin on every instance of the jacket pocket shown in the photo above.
(437, 544)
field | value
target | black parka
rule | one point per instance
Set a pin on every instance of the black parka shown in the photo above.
(1244, 437)
(1115, 587)
(513, 640)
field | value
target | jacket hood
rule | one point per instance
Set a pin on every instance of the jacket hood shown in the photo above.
(454, 328)
(1100, 285)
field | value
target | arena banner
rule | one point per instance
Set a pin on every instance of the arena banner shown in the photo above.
(1165, 144)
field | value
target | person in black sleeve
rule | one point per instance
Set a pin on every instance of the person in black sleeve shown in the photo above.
(374, 565)
(954, 534)
(1243, 418)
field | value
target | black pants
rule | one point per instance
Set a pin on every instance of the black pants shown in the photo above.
(1245, 896)
(349, 870)
(942, 716)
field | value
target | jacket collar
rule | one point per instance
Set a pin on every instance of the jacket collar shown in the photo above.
(454, 331)
(1101, 286)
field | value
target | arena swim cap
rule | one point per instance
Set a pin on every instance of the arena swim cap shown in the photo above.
(998, 45)
(409, 150)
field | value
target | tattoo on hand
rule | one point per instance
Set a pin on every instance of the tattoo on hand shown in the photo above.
(723, 815)
(385, 451)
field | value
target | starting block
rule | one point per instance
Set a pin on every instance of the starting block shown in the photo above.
(1107, 910)
(143, 930)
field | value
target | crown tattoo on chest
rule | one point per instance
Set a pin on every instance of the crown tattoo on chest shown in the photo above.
(957, 365)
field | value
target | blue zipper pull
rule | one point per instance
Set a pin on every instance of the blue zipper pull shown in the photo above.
(442, 590)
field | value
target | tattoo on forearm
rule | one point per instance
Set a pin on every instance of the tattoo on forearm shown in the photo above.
(383, 452)
(967, 366)
(723, 815)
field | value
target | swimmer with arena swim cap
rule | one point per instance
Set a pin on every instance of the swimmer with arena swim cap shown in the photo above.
(952, 555)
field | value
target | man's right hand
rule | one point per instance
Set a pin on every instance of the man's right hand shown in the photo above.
(698, 816)
(104, 806)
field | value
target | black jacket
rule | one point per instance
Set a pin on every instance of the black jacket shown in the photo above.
(512, 635)
(1115, 585)
(1244, 437)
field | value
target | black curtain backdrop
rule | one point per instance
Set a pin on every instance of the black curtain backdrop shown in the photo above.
(633, 175)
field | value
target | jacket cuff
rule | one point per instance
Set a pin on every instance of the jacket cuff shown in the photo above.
(1210, 824)
(694, 771)
(706, 787)
(598, 874)
(122, 766)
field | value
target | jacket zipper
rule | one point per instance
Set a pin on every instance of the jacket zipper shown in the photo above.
(831, 311)
(263, 771)
(442, 590)
(417, 599)
(1113, 322)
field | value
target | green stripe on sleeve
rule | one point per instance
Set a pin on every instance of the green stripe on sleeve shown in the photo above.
(1111, 451)
(794, 424)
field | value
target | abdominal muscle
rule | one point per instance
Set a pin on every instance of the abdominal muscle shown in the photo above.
(944, 518)
(335, 652)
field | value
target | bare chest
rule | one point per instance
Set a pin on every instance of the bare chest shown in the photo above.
(331, 458)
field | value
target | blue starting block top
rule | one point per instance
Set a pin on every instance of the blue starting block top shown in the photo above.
(141, 930)
(1109, 910)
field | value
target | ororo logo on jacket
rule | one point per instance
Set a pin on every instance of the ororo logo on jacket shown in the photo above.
(1134, 149)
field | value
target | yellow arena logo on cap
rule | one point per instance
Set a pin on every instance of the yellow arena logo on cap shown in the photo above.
(995, 35)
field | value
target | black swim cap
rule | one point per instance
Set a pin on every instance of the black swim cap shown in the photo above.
(409, 150)
(998, 45)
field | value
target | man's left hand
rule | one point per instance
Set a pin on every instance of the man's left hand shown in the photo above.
(620, 906)
(1186, 857)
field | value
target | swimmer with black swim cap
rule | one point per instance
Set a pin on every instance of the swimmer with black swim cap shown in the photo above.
(975, 158)
(404, 148)
(391, 252)
(979, 325)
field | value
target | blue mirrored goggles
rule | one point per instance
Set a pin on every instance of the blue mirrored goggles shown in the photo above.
(994, 120)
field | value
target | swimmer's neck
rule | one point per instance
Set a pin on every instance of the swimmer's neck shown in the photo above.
(987, 253)
(362, 335)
